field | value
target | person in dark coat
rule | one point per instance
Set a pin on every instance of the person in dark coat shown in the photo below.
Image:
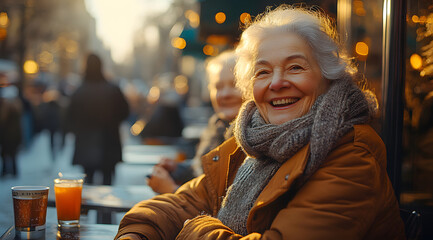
(52, 112)
(165, 125)
(96, 110)
(10, 129)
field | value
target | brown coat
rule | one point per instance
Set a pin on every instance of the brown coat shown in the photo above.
(349, 197)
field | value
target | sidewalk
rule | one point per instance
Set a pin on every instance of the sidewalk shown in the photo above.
(35, 167)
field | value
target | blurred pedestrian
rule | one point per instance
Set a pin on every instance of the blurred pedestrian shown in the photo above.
(165, 124)
(226, 101)
(52, 118)
(10, 129)
(303, 163)
(95, 112)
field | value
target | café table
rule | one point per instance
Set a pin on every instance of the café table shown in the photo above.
(84, 232)
(148, 154)
(107, 200)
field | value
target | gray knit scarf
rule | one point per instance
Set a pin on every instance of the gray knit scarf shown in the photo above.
(268, 146)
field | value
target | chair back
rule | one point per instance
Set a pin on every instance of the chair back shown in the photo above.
(412, 223)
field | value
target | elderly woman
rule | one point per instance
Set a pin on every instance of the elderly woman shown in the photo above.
(226, 101)
(303, 163)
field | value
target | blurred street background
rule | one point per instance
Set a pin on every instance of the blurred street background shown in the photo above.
(155, 52)
(35, 168)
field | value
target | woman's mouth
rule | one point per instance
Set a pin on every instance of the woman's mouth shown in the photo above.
(283, 102)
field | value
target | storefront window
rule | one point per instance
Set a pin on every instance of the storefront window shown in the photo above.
(360, 27)
(417, 167)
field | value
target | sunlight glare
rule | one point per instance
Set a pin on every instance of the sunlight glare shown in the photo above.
(117, 21)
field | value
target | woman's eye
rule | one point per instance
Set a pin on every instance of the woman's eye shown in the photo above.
(261, 73)
(296, 68)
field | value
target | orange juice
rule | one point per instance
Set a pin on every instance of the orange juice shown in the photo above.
(68, 200)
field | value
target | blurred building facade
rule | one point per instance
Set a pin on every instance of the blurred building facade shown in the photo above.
(47, 38)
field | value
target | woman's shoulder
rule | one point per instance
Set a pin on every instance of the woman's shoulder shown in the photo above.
(365, 139)
(362, 135)
(365, 136)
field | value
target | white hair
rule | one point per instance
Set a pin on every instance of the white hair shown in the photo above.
(313, 26)
(226, 58)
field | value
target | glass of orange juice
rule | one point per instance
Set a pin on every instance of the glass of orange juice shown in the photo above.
(68, 200)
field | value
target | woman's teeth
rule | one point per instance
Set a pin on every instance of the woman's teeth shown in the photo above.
(284, 102)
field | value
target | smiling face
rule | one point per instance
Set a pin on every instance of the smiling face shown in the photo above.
(226, 99)
(287, 78)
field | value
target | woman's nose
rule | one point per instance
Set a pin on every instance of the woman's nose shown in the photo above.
(224, 92)
(278, 81)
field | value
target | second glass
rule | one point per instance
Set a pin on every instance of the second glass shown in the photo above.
(30, 211)
(68, 201)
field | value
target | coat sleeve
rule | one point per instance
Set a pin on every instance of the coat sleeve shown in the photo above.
(163, 216)
(340, 201)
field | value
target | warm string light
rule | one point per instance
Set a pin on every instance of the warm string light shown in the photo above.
(30, 67)
(220, 17)
(193, 18)
(245, 18)
(361, 48)
(416, 61)
(137, 127)
(178, 43)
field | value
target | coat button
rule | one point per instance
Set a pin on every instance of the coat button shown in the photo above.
(216, 158)
(287, 177)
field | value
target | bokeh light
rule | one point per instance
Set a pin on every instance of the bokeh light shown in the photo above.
(193, 18)
(153, 95)
(181, 84)
(30, 67)
(416, 61)
(137, 127)
(178, 43)
(220, 17)
(209, 50)
(245, 18)
(361, 48)
(4, 20)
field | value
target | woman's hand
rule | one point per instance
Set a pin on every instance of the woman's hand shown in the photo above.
(131, 236)
(160, 181)
(205, 226)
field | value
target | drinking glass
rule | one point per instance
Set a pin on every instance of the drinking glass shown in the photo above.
(30, 210)
(68, 201)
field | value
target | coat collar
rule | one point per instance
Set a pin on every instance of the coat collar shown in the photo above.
(221, 166)
(284, 178)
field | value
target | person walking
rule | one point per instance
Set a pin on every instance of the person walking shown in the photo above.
(95, 112)
(10, 129)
